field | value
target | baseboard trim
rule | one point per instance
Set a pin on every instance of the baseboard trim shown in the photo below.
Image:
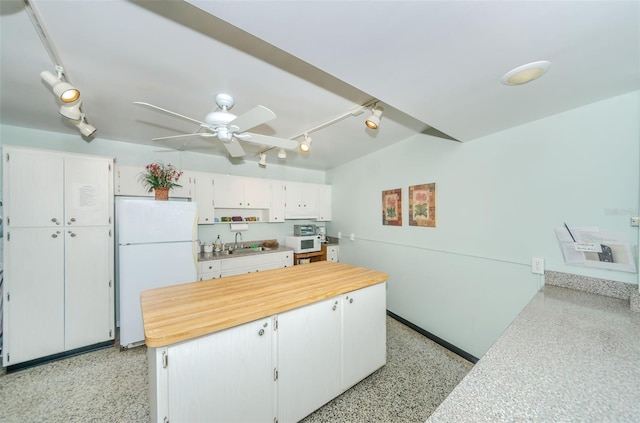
(59, 356)
(434, 338)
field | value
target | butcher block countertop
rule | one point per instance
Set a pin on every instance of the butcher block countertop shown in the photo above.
(182, 312)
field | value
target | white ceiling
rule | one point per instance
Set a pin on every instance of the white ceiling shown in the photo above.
(435, 66)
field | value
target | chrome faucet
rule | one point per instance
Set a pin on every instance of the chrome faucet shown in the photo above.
(235, 245)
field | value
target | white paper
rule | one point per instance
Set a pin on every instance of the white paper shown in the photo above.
(592, 248)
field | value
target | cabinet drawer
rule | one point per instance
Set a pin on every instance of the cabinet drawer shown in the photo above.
(249, 261)
(211, 266)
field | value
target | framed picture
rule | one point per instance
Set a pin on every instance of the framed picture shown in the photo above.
(422, 205)
(392, 207)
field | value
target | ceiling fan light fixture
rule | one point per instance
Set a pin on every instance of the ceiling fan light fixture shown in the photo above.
(373, 121)
(282, 154)
(305, 146)
(525, 73)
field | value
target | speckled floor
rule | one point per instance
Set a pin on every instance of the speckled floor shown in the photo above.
(110, 385)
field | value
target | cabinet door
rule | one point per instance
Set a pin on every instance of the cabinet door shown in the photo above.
(33, 184)
(309, 349)
(88, 291)
(228, 192)
(364, 333)
(276, 212)
(127, 183)
(224, 377)
(332, 253)
(203, 196)
(187, 188)
(257, 193)
(88, 194)
(324, 203)
(34, 294)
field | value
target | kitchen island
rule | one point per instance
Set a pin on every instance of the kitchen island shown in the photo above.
(569, 356)
(271, 345)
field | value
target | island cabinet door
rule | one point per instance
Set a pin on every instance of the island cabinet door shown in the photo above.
(364, 333)
(309, 348)
(226, 377)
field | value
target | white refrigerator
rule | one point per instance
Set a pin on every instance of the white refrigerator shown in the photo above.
(156, 243)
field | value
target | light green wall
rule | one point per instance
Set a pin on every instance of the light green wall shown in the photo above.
(499, 199)
(131, 154)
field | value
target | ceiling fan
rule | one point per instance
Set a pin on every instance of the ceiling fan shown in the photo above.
(230, 128)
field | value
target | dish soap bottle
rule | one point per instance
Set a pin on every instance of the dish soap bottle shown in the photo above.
(218, 244)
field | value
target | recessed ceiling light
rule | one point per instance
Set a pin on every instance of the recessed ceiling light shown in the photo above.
(525, 73)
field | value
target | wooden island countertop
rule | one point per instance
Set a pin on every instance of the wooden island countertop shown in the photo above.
(182, 312)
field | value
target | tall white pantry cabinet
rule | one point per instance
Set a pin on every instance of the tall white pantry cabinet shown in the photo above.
(58, 253)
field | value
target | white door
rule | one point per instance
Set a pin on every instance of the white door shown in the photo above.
(276, 212)
(224, 377)
(324, 203)
(87, 191)
(34, 287)
(142, 221)
(364, 333)
(88, 286)
(186, 188)
(35, 188)
(309, 351)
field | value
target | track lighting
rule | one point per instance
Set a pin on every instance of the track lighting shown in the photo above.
(282, 154)
(374, 120)
(84, 128)
(64, 91)
(263, 160)
(71, 111)
(305, 145)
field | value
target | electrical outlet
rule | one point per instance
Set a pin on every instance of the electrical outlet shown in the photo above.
(537, 265)
(635, 221)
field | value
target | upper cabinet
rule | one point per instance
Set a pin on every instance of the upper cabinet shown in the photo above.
(238, 192)
(69, 190)
(301, 200)
(203, 196)
(324, 203)
(127, 183)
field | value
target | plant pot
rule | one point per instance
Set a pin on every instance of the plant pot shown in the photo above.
(162, 193)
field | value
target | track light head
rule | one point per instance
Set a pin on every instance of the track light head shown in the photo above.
(282, 154)
(305, 145)
(64, 91)
(263, 160)
(71, 111)
(373, 121)
(84, 128)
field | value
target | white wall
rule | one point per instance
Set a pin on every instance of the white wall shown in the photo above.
(131, 154)
(499, 199)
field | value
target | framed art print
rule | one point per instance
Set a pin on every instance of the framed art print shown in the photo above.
(422, 205)
(392, 207)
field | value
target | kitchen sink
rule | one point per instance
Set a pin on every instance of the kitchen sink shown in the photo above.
(246, 250)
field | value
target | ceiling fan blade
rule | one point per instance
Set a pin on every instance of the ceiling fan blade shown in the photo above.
(140, 103)
(198, 134)
(234, 148)
(254, 117)
(271, 141)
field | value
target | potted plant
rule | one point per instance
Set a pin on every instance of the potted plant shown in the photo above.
(160, 178)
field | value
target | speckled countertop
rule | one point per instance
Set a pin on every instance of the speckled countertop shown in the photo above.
(569, 356)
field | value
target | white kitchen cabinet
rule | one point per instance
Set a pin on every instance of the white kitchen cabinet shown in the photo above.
(252, 263)
(324, 203)
(364, 334)
(224, 377)
(278, 200)
(127, 182)
(333, 253)
(209, 269)
(309, 350)
(301, 200)
(287, 258)
(58, 257)
(203, 195)
(33, 294)
(88, 288)
(238, 192)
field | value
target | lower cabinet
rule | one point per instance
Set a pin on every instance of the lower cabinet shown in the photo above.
(279, 368)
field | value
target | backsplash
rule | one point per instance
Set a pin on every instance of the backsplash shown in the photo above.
(608, 288)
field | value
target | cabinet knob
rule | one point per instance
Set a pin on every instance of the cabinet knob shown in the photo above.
(72, 234)
(73, 219)
(54, 235)
(261, 332)
(350, 300)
